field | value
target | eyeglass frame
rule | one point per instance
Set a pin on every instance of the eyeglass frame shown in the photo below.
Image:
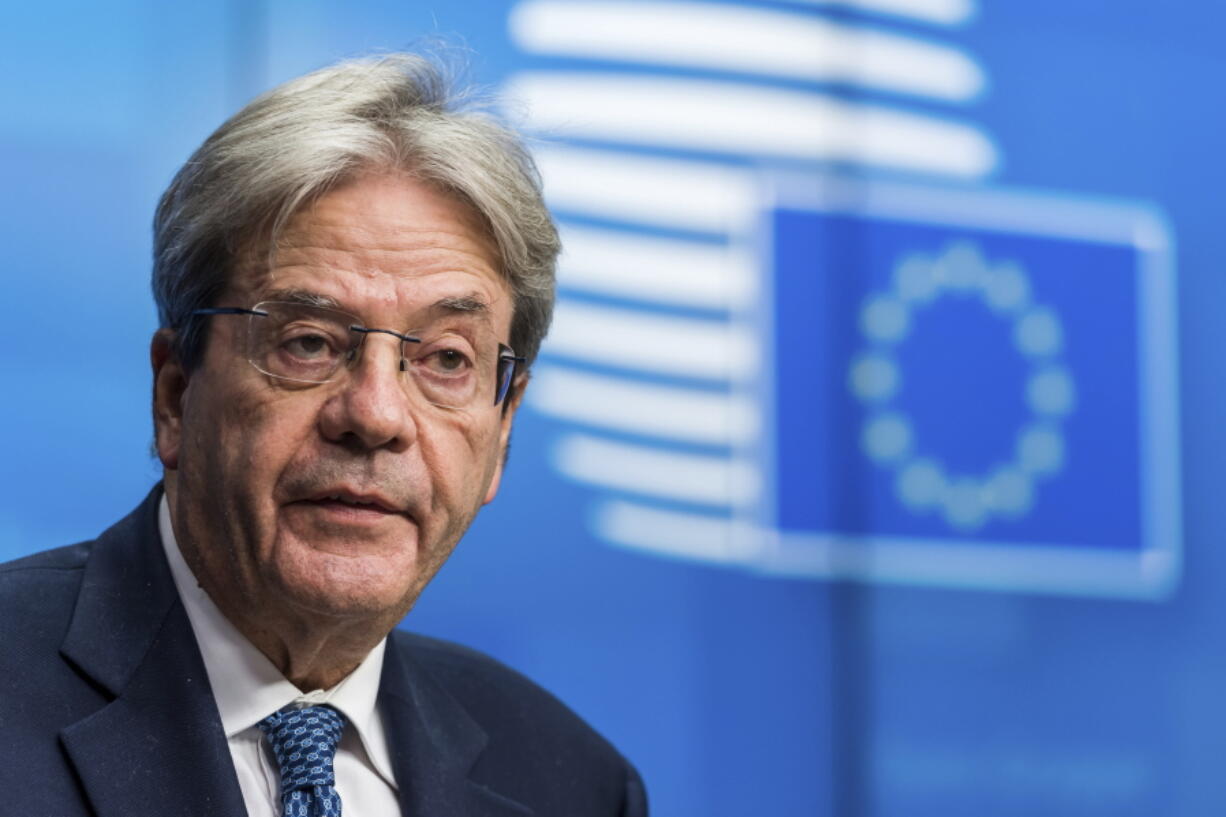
(506, 355)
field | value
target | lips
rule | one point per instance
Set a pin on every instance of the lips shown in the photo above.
(357, 502)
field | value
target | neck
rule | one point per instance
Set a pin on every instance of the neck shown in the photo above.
(310, 657)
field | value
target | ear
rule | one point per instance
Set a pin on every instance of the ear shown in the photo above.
(513, 399)
(169, 384)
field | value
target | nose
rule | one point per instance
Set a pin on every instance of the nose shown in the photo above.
(369, 408)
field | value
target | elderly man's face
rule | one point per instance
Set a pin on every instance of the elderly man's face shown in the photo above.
(344, 498)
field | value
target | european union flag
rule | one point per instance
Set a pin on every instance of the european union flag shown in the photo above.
(978, 375)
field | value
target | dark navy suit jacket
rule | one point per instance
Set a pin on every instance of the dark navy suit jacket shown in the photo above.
(105, 707)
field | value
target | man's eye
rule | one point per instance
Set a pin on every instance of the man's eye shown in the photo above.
(308, 347)
(447, 361)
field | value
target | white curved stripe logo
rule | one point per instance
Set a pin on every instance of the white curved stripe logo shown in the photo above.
(628, 406)
(698, 196)
(748, 40)
(683, 347)
(606, 366)
(678, 533)
(638, 469)
(660, 270)
(736, 118)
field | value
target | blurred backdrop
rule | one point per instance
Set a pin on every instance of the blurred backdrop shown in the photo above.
(869, 468)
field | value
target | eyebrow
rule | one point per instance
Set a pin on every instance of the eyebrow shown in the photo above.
(470, 304)
(303, 297)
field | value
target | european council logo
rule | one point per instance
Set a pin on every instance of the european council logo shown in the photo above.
(798, 331)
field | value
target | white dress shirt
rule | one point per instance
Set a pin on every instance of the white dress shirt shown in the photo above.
(248, 688)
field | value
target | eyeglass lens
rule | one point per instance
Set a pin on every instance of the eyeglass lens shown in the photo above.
(309, 344)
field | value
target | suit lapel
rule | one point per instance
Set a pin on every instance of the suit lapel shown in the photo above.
(158, 747)
(434, 743)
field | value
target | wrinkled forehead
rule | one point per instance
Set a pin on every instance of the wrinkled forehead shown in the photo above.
(389, 250)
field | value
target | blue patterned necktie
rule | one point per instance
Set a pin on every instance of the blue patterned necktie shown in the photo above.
(304, 741)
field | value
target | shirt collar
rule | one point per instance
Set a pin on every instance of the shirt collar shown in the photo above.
(246, 685)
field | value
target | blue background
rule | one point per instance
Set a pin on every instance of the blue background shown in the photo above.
(736, 694)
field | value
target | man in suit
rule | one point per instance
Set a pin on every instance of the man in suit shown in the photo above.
(352, 278)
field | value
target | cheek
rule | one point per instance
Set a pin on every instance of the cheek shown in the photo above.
(461, 457)
(241, 443)
(487, 460)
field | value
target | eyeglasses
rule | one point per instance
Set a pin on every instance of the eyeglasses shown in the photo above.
(300, 343)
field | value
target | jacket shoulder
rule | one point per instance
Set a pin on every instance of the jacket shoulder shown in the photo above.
(531, 733)
(69, 557)
(478, 680)
(37, 593)
(39, 692)
(484, 684)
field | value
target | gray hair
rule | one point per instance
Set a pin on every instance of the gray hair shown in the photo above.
(289, 146)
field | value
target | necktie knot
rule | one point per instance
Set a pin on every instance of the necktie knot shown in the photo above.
(304, 743)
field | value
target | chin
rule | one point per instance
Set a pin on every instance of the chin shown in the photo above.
(348, 587)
